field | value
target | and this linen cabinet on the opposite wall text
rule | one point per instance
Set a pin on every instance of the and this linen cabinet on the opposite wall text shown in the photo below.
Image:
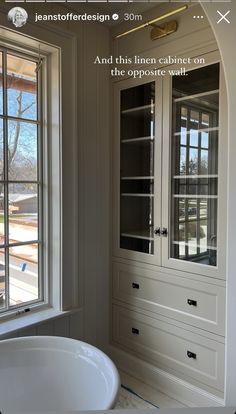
(168, 287)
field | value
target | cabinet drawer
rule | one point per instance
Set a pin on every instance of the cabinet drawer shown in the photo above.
(193, 355)
(196, 303)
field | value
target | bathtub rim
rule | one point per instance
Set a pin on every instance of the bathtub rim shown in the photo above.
(44, 338)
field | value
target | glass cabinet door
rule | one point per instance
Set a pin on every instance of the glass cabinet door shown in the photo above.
(137, 142)
(194, 166)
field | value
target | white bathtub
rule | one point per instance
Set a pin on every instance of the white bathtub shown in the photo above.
(47, 373)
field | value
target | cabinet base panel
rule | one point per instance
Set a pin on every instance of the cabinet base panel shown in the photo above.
(174, 387)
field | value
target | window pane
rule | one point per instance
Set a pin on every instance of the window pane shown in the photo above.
(193, 138)
(204, 162)
(1, 186)
(1, 85)
(23, 212)
(183, 160)
(205, 120)
(2, 217)
(1, 153)
(204, 137)
(183, 136)
(2, 278)
(193, 161)
(22, 88)
(184, 112)
(23, 274)
(194, 117)
(22, 151)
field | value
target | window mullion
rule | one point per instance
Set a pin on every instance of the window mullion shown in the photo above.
(6, 202)
(15, 118)
(40, 172)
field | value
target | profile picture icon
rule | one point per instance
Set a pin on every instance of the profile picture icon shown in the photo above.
(18, 16)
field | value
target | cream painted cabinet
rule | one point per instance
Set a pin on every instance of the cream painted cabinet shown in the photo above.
(169, 212)
(171, 346)
(169, 189)
(197, 303)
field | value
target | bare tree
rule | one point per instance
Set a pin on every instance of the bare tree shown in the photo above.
(20, 112)
(15, 138)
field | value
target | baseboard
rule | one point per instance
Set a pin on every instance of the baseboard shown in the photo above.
(174, 387)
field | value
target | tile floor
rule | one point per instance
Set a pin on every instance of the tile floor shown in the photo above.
(146, 391)
(129, 400)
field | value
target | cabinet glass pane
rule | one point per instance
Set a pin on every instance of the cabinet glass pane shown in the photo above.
(194, 163)
(137, 121)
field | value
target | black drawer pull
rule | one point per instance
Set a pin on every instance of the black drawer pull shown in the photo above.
(192, 302)
(135, 331)
(191, 355)
(135, 285)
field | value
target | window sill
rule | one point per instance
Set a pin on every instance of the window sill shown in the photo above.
(11, 326)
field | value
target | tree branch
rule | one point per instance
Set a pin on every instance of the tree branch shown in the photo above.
(27, 107)
(17, 129)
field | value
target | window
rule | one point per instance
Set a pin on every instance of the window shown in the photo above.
(21, 181)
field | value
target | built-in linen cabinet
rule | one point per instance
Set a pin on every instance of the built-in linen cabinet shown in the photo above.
(167, 203)
(169, 221)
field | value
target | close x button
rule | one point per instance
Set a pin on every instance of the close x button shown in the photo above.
(223, 17)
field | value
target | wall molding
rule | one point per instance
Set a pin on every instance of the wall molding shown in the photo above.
(174, 387)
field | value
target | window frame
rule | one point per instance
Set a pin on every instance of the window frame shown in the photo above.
(42, 182)
(63, 269)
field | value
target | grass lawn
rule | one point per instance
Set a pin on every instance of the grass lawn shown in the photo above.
(15, 216)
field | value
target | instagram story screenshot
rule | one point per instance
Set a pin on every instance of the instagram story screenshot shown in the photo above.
(118, 206)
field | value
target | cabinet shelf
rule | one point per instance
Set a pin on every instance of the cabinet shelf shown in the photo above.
(138, 178)
(194, 177)
(144, 140)
(194, 196)
(136, 195)
(197, 131)
(141, 234)
(145, 108)
(196, 95)
(194, 245)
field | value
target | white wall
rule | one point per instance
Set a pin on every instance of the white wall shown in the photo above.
(70, 325)
(94, 184)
